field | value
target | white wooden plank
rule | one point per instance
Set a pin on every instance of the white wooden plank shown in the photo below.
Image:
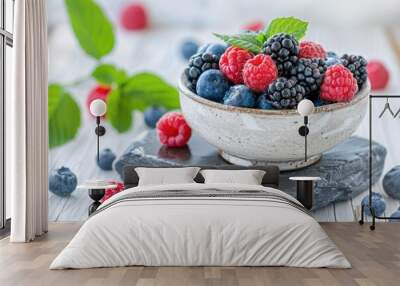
(344, 211)
(326, 214)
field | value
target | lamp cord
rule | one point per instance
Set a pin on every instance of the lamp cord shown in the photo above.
(305, 148)
(305, 137)
(98, 138)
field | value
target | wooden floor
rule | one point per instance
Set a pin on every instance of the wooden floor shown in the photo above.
(375, 257)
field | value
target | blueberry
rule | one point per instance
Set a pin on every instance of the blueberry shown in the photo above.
(396, 214)
(216, 49)
(212, 85)
(391, 183)
(106, 159)
(62, 181)
(240, 95)
(153, 114)
(330, 61)
(203, 48)
(263, 102)
(378, 204)
(331, 54)
(319, 102)
(188, 49)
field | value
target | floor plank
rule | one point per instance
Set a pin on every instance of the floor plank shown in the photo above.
(375, 257)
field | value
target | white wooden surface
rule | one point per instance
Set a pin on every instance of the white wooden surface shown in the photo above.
(157, 50)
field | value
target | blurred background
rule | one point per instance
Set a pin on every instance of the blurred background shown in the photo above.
(361, 27)
(235, 13)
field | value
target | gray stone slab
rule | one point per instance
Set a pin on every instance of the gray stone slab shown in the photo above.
(343, 169)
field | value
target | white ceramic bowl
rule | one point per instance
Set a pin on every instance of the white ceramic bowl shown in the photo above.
(248, 137)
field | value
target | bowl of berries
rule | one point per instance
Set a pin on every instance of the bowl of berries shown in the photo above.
(243, 100)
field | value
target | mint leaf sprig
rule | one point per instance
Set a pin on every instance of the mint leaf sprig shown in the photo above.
(91, 26)
(253, 41)
(64, 115)
(247, 41)
(290, 25)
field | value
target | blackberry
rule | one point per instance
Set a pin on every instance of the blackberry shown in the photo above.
(198, 64)
(284, 50)
(309, 73)
(285, 93)
(358, 67)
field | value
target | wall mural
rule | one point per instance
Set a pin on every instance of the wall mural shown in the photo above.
(183, 95)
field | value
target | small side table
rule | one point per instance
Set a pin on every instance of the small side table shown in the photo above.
(305, 190)
(96, 193)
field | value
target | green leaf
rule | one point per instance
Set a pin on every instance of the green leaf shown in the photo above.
(109, 74)
(247, 41)
(119, 110)
(64, 116)
(261, 37)
(147, 89)
(289, 25)
(91, 26)
(137, 93)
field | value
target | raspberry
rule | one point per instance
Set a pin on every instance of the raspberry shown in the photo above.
(377, 74)
(232, 62)
(173, 130)
(134, 17)
(259, 72)
(110, 192)
(98, 92)
(339, 84)
(310, 50)
(254, 26)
